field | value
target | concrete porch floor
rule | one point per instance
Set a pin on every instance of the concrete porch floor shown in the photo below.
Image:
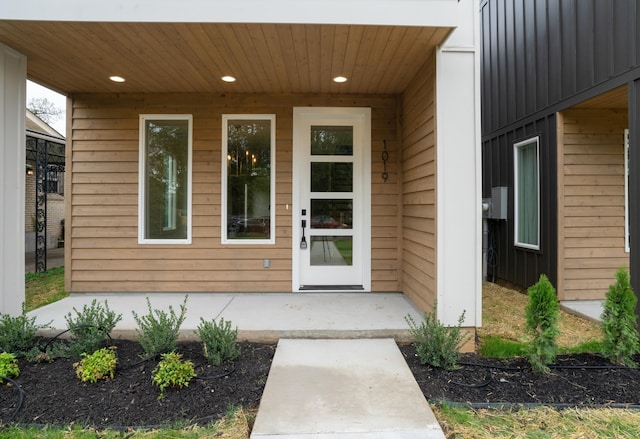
(259, 317)
(587, 309)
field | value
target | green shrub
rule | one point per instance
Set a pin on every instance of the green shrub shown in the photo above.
(172, 372)
(219, 341)
(542, 322)
(8, 365)
(619, 322)
(17, 334)
(436, 344)
(158, 330)
(97, 366)
(90, 327)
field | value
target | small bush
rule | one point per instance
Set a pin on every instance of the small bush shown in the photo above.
(542, 322)
(158, 330)
(172, 372)
(219, 341)
(90, 327)
(8, 366)
(17, 334)
(436, 344)
(619, 322)
(97, 366)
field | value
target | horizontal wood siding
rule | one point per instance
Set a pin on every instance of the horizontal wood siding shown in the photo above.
(590, 201)
(419, 189)
(103, 207)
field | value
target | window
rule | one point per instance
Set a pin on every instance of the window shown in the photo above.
(248, 183)
(627, 234)
(527, 193)
(55, 179)
(165, 179)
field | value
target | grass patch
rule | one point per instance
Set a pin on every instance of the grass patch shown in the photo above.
(536, 423)
(235, 425)
(503, 316)
(498, 347)
(44, 288)
(593, 346)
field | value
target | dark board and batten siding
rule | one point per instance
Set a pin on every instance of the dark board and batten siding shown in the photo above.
(538, 58)
(518, 265)
(537, 54)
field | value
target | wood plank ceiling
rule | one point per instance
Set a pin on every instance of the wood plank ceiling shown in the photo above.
(616, 98)
(192, 57)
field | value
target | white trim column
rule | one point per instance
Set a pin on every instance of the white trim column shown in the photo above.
(13, 90)
(459, 177)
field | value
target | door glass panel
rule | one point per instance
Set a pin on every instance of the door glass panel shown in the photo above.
(331, 214)
(331, 140)
(331, 177)
(331, 250)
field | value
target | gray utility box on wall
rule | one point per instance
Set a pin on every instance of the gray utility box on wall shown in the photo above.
(497, 204)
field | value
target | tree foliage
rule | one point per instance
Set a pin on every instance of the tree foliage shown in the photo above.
(619, 321)
(46, 110)
(542, 322)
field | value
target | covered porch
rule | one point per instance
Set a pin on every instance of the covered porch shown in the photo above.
(593, 201)
(413, 65)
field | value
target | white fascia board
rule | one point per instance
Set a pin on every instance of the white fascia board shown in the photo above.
(437, 13)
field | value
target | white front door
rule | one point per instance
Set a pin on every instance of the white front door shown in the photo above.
(331, 199)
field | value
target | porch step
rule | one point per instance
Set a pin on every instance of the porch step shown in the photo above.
(342, 389)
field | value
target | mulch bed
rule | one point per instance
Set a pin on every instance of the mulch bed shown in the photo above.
(54, 395)
(574, 380)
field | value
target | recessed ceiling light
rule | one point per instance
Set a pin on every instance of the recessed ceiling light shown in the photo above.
(340, 79)
(228, 78)
(116, 78)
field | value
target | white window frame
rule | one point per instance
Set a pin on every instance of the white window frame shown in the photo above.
(516, 232)
(627, 243)
(272, 179)
(142, 178)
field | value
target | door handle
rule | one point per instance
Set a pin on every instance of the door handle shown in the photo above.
(303, 241)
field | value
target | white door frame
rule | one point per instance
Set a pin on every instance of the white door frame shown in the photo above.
(301, 116)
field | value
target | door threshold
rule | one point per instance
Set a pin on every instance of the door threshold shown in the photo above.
(332, 288)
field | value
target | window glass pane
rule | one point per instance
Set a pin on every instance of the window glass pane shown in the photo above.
(331, 250)
(248, 179)
(331, 140)
(331, 214)
(331, 177)
(527, 194)
(166, 179)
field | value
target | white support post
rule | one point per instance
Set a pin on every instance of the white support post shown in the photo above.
(458, 161)
(13, 86)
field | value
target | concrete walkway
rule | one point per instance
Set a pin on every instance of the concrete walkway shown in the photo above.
(587, 309)
(337, 371)
(342, 389)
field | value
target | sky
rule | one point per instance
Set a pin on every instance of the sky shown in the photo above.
(37, 91)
